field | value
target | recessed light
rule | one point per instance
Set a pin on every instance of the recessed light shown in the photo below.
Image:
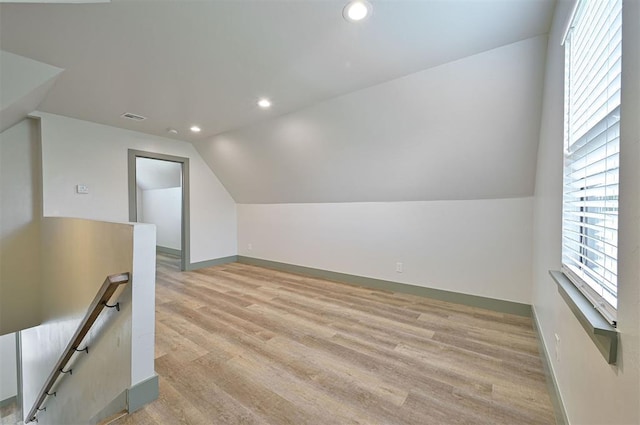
(356, 10)
(264, 103)
(195, 129)
(172, 130)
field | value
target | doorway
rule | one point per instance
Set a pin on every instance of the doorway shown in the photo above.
(159, 194)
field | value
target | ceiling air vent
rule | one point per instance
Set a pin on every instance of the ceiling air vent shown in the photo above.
(134, 117)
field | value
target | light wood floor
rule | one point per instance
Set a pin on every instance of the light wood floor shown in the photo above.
(238, 344)
(9, 414)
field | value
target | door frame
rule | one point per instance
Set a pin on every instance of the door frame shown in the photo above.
(185, 239)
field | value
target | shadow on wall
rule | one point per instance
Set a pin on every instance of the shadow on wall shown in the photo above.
(21, 212)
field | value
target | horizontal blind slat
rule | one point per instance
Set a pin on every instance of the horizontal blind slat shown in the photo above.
(592, 148)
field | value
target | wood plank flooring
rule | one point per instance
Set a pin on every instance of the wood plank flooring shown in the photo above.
(9, 414)
(239, 344)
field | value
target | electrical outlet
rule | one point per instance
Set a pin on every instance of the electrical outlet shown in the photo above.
(557, 347)
(250, 246)
(399, 267)
(82, 189)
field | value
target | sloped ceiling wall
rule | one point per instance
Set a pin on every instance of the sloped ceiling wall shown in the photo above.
(464, 130)
(24, 83)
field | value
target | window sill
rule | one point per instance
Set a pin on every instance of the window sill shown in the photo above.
(604, 336)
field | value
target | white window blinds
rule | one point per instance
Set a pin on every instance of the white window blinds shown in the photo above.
(592, 131)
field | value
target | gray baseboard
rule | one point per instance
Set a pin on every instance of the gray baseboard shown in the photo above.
(170, 251)
(142, 393)
(501, 306)
(211, 263)
(118, 404)
(552, 385)
(6, 402)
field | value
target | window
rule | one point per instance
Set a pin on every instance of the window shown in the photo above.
(591, 160)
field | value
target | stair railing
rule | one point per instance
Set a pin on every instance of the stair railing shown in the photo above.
(99, 303)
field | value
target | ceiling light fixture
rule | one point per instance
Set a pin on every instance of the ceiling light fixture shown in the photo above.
(195, 129)
(172, 130)
(264, 103)
(356, 10)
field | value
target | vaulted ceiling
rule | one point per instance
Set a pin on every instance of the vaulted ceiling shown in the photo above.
(464, 130)
(206, 63)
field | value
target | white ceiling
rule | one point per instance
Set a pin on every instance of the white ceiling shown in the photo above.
(207, 62)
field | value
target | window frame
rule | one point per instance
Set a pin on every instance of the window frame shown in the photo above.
(581, 280)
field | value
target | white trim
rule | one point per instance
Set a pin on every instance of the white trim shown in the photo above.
(569, 24)
(599, 303)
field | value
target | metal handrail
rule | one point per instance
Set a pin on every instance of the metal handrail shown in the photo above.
(99, 303)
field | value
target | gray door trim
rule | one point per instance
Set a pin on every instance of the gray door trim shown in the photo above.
(186, 215)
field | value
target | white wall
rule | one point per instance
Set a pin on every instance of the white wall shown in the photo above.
(480, 247)
(8, 371)
(76, 151)
(157, 174)
(162, 207)
(143, 295)
(593, 392)
(20, 209)
(77, 257)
